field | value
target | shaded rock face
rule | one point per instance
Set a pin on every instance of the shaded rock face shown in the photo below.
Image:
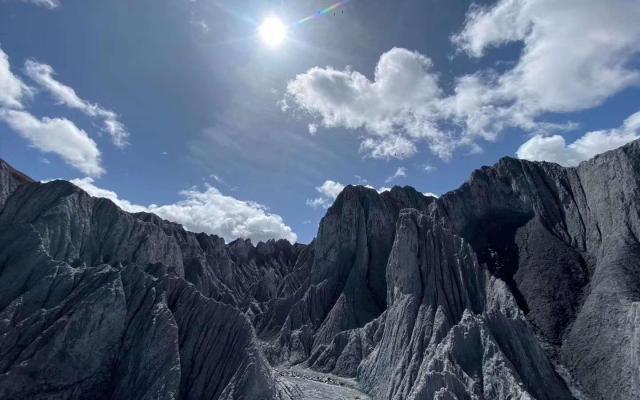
(450, 328)
(98, 303)
(347, 284)
(10, 179)
(575, 265)
(522, 284)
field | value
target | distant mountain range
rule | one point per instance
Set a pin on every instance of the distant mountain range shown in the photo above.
(524, 283)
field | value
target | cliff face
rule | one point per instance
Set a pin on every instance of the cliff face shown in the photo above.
(347, 283)
(10, 179)
(523, 283)
(571, 256)
(99, 303)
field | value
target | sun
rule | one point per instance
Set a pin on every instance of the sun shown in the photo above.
(272, 31)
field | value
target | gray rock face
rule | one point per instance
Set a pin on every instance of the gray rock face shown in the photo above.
(95, 303)
(347, 284)
(10, 179)
(562, 241)
(524, 283)
(572, 261)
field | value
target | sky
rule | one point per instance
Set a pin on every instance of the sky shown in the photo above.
(188, 109)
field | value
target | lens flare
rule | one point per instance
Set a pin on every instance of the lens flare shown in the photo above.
(272, 31)
(322, 12)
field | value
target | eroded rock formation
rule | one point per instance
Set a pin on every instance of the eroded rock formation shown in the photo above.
(524, 283)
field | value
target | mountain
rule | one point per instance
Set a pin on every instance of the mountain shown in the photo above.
(523, 283)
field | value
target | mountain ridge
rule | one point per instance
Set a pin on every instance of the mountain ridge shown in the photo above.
(522, 283)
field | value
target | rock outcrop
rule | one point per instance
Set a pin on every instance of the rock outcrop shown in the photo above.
(98, 303)
(523, 283)
(347, 283)
(562, 241)
(10, 179)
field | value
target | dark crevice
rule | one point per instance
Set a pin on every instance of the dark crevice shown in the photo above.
(493, 240)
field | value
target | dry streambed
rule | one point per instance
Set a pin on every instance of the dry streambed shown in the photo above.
(311, 385)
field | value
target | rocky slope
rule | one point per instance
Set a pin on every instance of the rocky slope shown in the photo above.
(524, 283)
(99, 303)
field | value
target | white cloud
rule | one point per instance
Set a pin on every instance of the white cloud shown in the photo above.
(49, 135)
(12, 90)
(554, 148)
(388, 147)
(429, 194)
(576, 54)
(51, 4)
(391, 107)
(313, 128)
(360, 180)
(329, 191)
(88, 185)
(208, 211)
(318, 202)
(43, 74)
(400, 173)
(59, 136)
(429, 168)
(216, 178)
(202, 25)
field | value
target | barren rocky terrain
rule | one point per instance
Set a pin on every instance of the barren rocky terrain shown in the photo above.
(524, 283)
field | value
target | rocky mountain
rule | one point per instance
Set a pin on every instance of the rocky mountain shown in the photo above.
(524, 283)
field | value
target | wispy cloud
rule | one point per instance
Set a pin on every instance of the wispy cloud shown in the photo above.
(59, 136)
(13, 92)
(51, 4)
(401, 172)
(43, 75)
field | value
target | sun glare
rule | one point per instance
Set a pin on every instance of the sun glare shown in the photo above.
(272, 31)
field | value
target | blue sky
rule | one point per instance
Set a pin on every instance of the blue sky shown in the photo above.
(178, 107)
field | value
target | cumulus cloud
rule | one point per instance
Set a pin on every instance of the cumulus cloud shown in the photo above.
(388, 147)
(43, 75)
(59, 136)
(401, 172)
(12, 90)
(575, 55)
(329, 191)
(555, 149)
(392, 107)
(88, 185)
(208, 211)
(51, 4)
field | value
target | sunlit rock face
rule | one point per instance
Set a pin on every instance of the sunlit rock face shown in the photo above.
(524, 283)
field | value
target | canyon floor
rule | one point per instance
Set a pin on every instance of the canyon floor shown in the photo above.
(312, 385)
